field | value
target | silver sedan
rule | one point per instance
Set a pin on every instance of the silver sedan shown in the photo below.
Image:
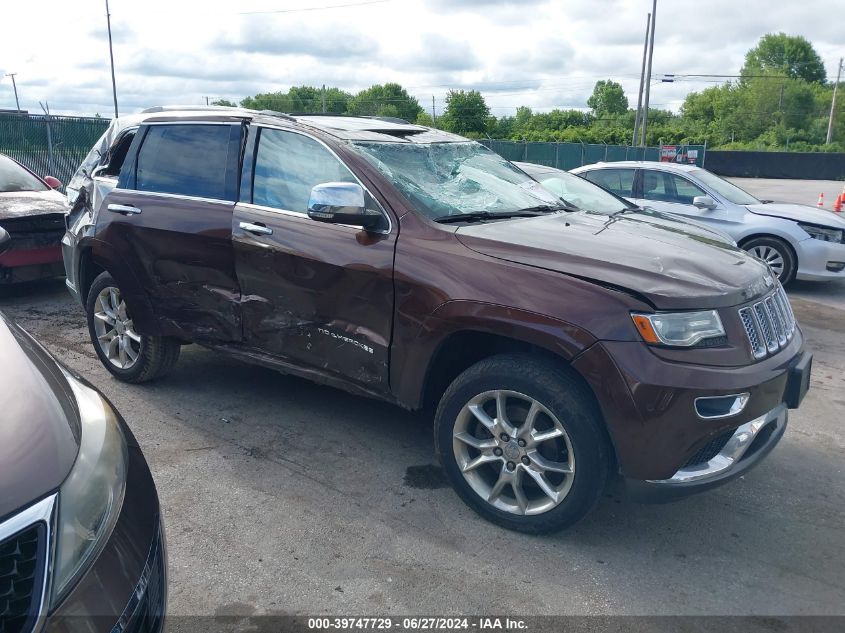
(796, 241)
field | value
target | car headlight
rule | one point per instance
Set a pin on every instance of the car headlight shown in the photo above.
(823, 233)
(679, 329)
(92, 495)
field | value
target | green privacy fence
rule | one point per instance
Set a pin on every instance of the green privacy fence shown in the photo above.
(569, 155)
(55, 146)
(49, 146)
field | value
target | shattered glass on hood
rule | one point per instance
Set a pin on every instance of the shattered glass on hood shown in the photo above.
(446, 179)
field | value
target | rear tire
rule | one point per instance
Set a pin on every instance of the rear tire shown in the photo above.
(129, 356)
(523, 443)
(776, 253)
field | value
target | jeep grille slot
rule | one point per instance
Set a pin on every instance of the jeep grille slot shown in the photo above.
(769, 324)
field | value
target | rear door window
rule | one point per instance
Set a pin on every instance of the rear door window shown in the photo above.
(191, 160)
(666, 187)
(288, 165)
(619, 181)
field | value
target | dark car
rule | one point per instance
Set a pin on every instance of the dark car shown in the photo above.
(412, 265)
(33, 213)
(81, 540)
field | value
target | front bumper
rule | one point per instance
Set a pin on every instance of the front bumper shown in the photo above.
(125, 590)
(746, 448)
(649, 402)
(817, 260)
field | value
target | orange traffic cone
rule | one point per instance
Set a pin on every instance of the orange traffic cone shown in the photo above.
(820, 203)
(837, 206)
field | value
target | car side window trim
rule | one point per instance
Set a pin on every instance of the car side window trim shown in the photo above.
(175, 196)
(255, 140)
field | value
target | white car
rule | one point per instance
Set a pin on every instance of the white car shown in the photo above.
(797, 241)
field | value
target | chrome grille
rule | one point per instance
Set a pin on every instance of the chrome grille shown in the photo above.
(769, 324)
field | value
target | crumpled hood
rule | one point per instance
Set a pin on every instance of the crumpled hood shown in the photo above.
(671, 265)
(39, 428)
(19, 204)
(799, 213)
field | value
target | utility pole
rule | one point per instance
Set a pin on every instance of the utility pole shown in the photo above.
(111, 58)
(642, 79)
(648, 72)
(433, 114)
(324, 98)
(15, 87)
(833, 104)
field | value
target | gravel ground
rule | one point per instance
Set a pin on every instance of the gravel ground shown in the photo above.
(281, 496)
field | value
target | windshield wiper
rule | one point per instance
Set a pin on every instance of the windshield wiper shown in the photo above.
(478, 216)
(550, 208)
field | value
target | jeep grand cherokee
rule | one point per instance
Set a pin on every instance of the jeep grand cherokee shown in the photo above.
(405, 263)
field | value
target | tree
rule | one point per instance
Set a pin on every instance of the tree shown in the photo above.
(385, 100)
(608, 98)
(782, 54)
(466, 112)
(300, 99)
(224, 102)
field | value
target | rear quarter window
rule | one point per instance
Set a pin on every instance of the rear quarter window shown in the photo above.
(189, 160)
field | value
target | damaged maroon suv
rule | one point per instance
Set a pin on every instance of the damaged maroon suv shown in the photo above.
(557, 346)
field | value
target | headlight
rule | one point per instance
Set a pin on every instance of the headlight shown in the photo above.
(680, 329)
(91, 497)
(824, 234)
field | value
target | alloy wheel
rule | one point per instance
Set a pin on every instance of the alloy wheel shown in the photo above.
(115, 330)
(771, 256)
(513, 452)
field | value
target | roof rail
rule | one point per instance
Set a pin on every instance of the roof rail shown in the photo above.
(177, 108)
(274, 113)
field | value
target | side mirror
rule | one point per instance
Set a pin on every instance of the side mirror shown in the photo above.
(704, 202)
(5, 240)
(342, 203)
(53, 183)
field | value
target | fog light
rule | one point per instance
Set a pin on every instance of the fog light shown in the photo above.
(835, 267)
(716, 407)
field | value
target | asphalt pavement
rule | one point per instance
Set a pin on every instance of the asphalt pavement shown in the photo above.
(285, 497)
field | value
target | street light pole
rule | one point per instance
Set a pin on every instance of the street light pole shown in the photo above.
(15, 87)
(648, 72)
(833, 105)
(111, 58)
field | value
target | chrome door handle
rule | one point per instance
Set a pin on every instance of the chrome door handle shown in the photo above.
(257, 229)
(124, 208)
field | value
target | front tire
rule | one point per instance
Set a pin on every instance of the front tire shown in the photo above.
(776, 253)
(523, 444)
(129, 356)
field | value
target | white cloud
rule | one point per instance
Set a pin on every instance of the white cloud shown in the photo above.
(540, 53)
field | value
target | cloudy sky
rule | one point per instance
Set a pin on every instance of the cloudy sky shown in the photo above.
(540, 53)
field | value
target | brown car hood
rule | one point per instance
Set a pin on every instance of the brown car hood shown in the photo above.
(671, 266)
(39, 427)
(21, 204)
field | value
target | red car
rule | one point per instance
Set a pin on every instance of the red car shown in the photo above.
(33, 213)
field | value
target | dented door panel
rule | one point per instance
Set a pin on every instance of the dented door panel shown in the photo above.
(316, 294)
(181, 251)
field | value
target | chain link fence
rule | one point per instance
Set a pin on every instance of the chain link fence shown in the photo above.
(49, 146)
